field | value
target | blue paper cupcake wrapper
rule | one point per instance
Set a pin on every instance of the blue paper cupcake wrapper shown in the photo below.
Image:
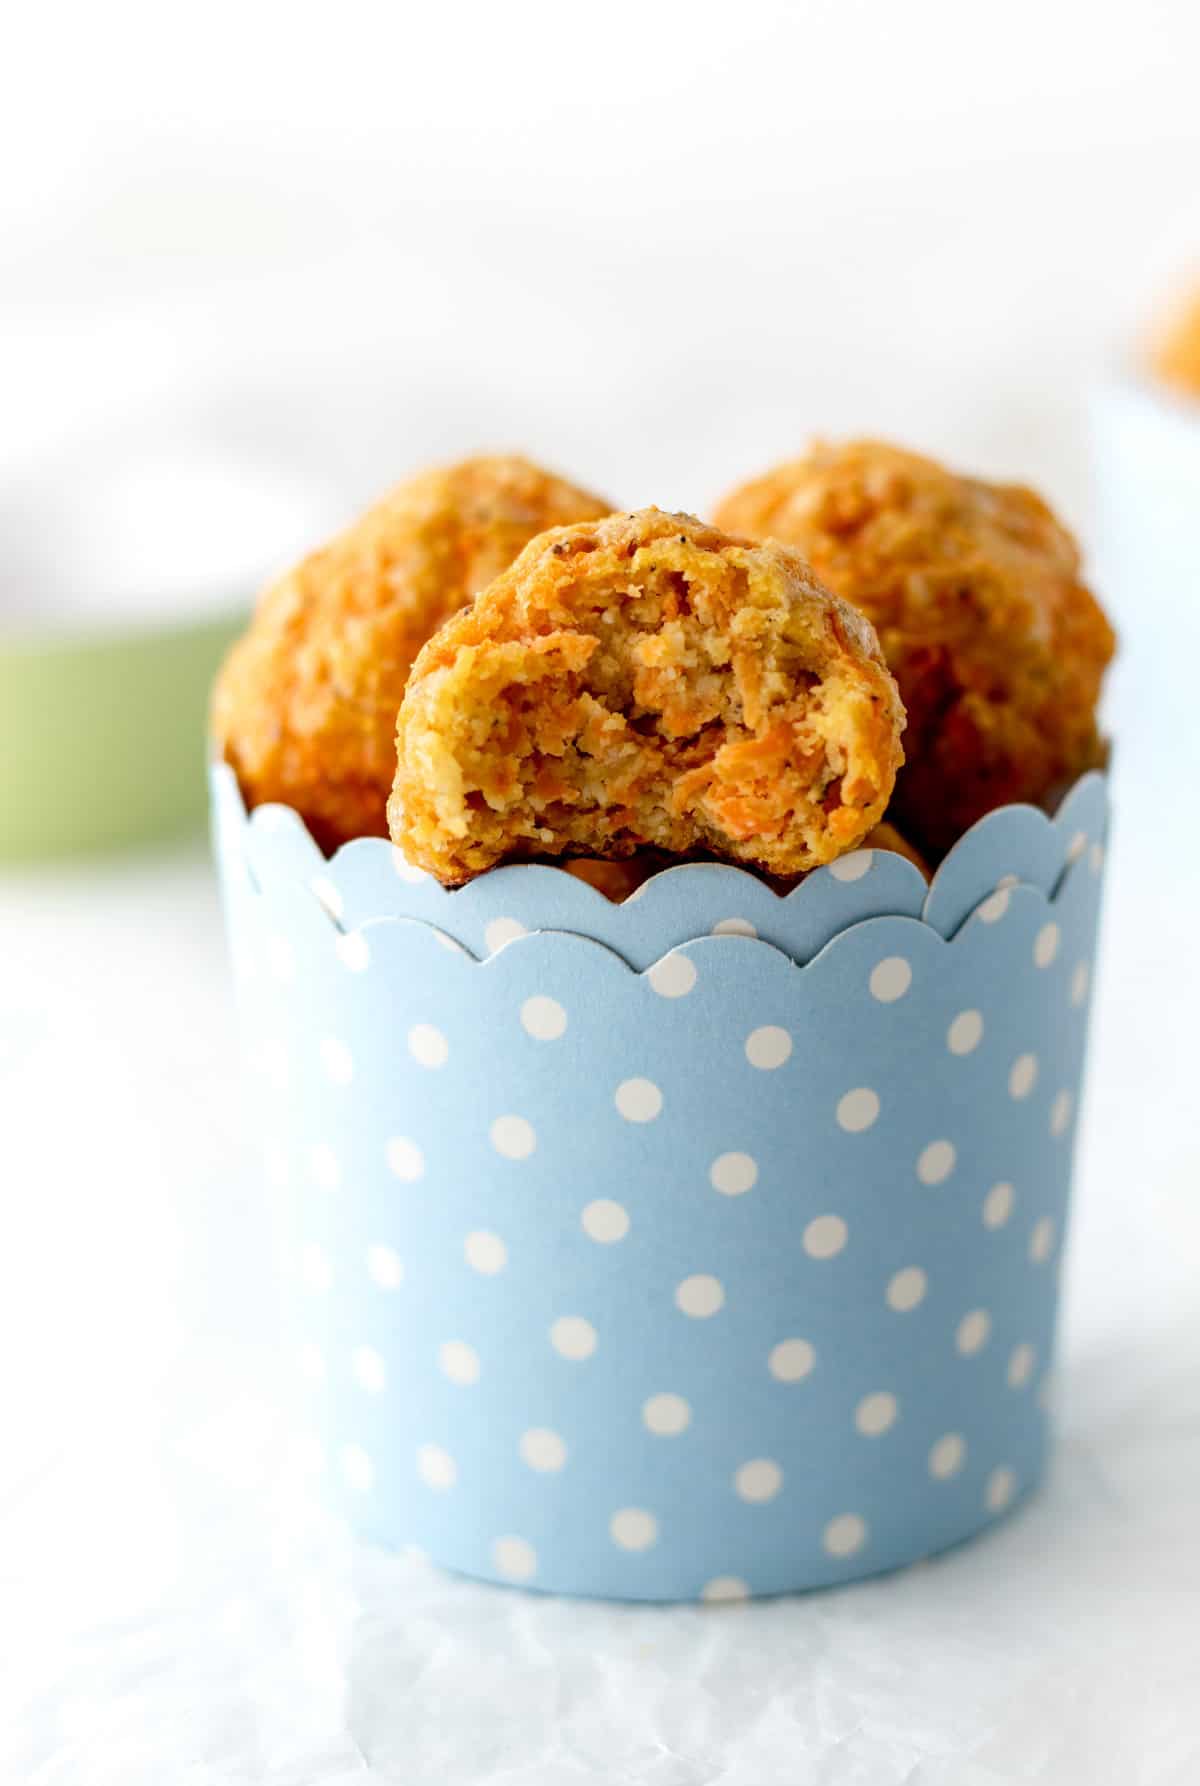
(679, 1268)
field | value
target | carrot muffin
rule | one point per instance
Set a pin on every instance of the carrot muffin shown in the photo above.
(975, 591)
(305, 706)
(1175, 355)
(646, 681)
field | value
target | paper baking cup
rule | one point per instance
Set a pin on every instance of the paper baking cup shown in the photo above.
(658, 1264)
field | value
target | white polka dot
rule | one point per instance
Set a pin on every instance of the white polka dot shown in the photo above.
(337, 1060)
(965, 1033)
(513, 1137)
(638, 1100)
(405, 870)
(328, 895)
(358, 1473)
(1006, 882)
(1079, 983)
(907, 1288)
(435, 1467)
(768, 1047)
(890, 979)
(1023, 1076)
(734, 927)
(875, 1413)
(543, 1018)
(994, 906)
(1060, 1113)
(273, 1062)
(733, 1173)
(666, 1414)
(515, 1558)
(459, 1362)
(310, 1456)
(1045, 946)
(1077, 846)
(1001, 1487)
(672, 977)
(542, 1449)
(858, 1110)
(791, 1360)
(724, 1588)
(315, 1269)
(405, 1159)
(1041, 1241)
(758, 1480)
(935, 1163)
(573, 1337)
(605, 1221)
(1020, 1365)
(845, 1535)
(973, 1331)
(384, 1267)
(997, 1206)
(312, 1365)
(632, 1528)
(501, 931)
(275, 1166)
(853, 866)
(485, 1253)
(451, 944)
(325, 1167)
(370, 1372)
(825, 1236)
(1096, 858)
(354, 952)
(700, 1296)
(427, 1045)
(947, 1456)
(281, 958)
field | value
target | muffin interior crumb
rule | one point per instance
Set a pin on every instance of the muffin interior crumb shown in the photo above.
(677, 691)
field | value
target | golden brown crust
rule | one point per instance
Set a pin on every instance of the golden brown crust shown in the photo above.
(975, 591)
(887, 837)
(646, 681)
(305, 705)
(618, 879)
(1175, 353)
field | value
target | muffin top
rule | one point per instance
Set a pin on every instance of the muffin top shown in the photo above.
(305, 706)
(976, 593)
(1175, 353)
(646, 681)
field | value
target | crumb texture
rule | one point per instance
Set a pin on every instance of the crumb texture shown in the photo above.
(305, 706)
(975, 591)
(646, 681)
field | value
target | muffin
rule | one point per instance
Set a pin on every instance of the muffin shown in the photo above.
(305, 706)
(646, 682)
(1175, 353)
(975, 591)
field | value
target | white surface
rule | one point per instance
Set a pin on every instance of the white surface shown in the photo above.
(658, 247)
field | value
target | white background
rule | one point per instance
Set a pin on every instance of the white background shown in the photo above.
(657, 246)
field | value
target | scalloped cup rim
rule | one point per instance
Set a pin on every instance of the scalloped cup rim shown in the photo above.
(1047, 827)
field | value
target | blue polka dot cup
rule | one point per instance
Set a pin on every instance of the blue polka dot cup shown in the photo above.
(697, 1247)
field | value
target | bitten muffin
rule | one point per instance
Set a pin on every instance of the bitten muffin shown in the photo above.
(646, 681)
(1175, 353)
(305, 706)
(975, 591)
